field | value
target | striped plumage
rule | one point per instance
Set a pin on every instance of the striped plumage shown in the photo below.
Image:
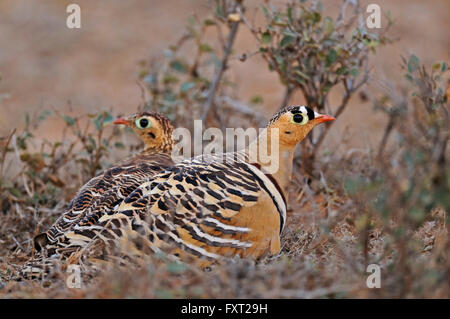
(204, 207)
(104, 191)
(101, 194)
(211, 206)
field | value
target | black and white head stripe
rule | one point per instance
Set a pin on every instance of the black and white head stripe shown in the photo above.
(305, 110)
(295, 109)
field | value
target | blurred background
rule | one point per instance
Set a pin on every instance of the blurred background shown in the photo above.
(44, 64)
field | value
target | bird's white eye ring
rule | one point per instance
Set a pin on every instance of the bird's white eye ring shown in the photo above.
(299, 118)
(143, 123)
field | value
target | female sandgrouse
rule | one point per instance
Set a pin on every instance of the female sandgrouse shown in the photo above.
(103, 192)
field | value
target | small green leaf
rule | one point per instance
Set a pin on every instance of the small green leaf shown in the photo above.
(93, 144)
(209, 22)
(187, 86)
(204, 47)
(108, 118)
(278, 21)
(44, 115)
(256, 99)
(97, 123)
(409, 77)
(374, 43)
(303, 75)
(178, 66)
(69, 120)
(286, 40)
(103, 119)
(316, 17)
(289, 33)
(266, 37)
(15, 192)
(328, 25)
(119, 145)
(170, 79)
(341, 70)
(289, 15)
(279, 59)
(436, 66)
(150, 79)
(265, 11)
(191, 20)
(413, 63)
(142, 74)
(306, 36)
(354, 72)
(331, 58)
(326, 88)
(219, 11)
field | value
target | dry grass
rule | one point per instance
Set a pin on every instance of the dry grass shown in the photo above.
(325, 254)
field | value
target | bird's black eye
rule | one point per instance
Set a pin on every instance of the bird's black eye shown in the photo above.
(298, 118)
(143, 123)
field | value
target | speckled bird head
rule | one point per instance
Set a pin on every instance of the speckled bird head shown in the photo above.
(153, 128)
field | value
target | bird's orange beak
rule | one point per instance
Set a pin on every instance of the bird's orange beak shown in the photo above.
(324, 118)
(120, 121)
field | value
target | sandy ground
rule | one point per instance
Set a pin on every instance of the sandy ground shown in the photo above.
(43, 63)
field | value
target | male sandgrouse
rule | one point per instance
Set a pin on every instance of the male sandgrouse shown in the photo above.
(212, 206)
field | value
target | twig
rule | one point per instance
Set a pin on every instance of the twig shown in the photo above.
(386, 134)
(17, 242)
(348, 94)
(220, 71)
(2, 162)
(287, 96)
(16, 152)
(243, 108)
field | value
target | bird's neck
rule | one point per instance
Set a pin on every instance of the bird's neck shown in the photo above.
(274, 157)
(164, 145)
